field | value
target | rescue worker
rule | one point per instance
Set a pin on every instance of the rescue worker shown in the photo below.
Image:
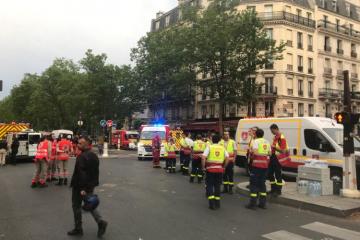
(41, 157)
(261, 150)
(185, 153)
(252, 134)
(228, 178)
(170, 155)
(63, 150)
(156, 148)
(213, 161)
(51, 171)
(280, 156)
(198, 150)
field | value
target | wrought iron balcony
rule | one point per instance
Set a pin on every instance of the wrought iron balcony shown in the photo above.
(311, 94)
(328, 26)
(310, 71)
(353, 54)
(282, 15)
(327, 48)
(340, 51)
(327, 72)
(300, 46)
(301, 93)
(300, 68)
(289, 67)
(328, 93)
(267, 92)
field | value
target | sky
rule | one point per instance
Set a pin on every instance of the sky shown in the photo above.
(35, 32)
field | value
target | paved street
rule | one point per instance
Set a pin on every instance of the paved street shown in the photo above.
(145, 203)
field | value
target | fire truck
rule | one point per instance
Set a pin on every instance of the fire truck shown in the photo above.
(126, 139)
(13, 127)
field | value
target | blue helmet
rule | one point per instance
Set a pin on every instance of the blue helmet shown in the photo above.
(91, 202)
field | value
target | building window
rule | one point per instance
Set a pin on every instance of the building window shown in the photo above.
(301, 109)
(157, 25)
(309, 15)
(212, 111)
(311, 66)
(167, 20)
(327, 46)
(289, 41)
(290, 87)
(300, 40)
(289, 60)
(269, 109)
(269, 33)
(311, 89)
(337, 25)
(339, 47)
(301, 88)
(310, 43)
(327, 63)
(204, 93)
(325, 21)
(353, 50)
(300, 63)
(203, 111)
(268, 11)
(328, 111)
(340, 66)
(288, 9)
(269, 85)
(311, 110)
(327, 84)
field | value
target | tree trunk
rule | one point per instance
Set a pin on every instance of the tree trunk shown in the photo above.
(221, 112)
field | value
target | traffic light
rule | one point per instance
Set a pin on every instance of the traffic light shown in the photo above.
(1, 85)
(341, 117)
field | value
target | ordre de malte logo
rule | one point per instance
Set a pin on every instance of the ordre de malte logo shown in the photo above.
(244, 135)
(217, 153)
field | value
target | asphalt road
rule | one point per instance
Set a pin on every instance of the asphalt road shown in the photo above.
(140, 202)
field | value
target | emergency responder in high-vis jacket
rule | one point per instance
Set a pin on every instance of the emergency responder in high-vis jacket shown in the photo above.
(280, 156)
(196, 169)
(170, 156)
(261, 151)
(228, 178)
(214, 160)
(185, 153)
(51, 171)
(63, 151)
(42, 156)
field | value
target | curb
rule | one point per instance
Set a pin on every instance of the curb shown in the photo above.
(302, 205)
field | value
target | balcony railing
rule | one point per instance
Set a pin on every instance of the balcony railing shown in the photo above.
(267, 91)
(337, 28)
(327, 71)
(329, 93)
(300, 46)
(290, 92)
(289, 67)
(327, 48)
(310, 48)
(289, 43)
(311, 94)
(353, 54)
(340, 51)
(300, 68)
(310, 71)
(282, 15)
(301, 93)
(354, 76)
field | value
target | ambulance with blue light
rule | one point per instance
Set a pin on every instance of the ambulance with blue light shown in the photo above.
(147, 133)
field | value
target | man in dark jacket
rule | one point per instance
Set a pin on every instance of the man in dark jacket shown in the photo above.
(14, 149)
(84, 180)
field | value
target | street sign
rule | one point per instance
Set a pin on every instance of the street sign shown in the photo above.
(103, 123)
(109, 123)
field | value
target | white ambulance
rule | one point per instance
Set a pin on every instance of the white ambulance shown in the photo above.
(307, 137)
(28, 142)
(147, 133)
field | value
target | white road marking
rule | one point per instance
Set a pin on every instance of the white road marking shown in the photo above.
(284, 235)
(333, 231)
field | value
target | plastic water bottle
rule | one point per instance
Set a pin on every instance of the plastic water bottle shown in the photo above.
(314, 189)
(303, 186)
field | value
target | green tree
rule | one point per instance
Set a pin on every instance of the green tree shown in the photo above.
(229, 45)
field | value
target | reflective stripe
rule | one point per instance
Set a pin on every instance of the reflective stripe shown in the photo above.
(225, 183)
(272, 183)
(214, 167)
(280, 183)
(260, 161)
(253, 195)
(193, 175)
(263, 194)
(211, 197)
(231, 183)
(199, 175)
(217, 198)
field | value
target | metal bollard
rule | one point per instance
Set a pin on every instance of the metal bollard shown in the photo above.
(106, 152)
(118, 144)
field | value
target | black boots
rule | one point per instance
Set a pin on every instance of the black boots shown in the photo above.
(191, 179)
(230, 190)
(65, 181)
(76, 232)
(60, 183)
(33, 185)
(226, 189)
(217, 204)
(252, 203)
(212, 204)
(102, 228)
(199, 180)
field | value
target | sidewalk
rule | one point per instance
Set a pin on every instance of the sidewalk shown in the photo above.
(330, 205)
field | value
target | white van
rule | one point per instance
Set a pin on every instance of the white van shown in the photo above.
(307, 137)
(28, 142)
(62, 132)
(147, 132)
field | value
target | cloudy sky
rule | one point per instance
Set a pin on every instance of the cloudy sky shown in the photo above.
(35, 32)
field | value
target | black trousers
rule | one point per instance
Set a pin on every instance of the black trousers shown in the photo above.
(186, 163)
(257, 185)
(181, 160)
(213, 185)
(196, 169)
(275, 174)
(170, 163)
(228, 178)
(13, 157)
(76, 206)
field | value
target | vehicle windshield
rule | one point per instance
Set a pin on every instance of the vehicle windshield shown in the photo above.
(148, 135)
(337, 135)
(22, 137)
(34, 139)
(132, 136)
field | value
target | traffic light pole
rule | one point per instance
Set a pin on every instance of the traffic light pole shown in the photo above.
(349, 166)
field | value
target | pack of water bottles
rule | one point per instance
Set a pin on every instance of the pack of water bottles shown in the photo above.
(316, 163)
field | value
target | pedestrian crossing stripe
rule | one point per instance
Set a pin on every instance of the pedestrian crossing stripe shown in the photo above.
(322, 228)
(333, 231)
(6, 128)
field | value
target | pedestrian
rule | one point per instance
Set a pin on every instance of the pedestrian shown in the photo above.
(156, 148)
(100, 144)
(196, 169)
(83, 182)
(63, 150)
(3, 152)
(14, 150)
(214, 160)
(52, 167)
(170, 154)
(261, 156)
(185, 153)
(280, 156)
(228, 178)
(42, 156)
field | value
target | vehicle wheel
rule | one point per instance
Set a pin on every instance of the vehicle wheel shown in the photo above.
(140, 158)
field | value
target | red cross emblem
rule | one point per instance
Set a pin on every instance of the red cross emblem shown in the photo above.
(244, 135)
